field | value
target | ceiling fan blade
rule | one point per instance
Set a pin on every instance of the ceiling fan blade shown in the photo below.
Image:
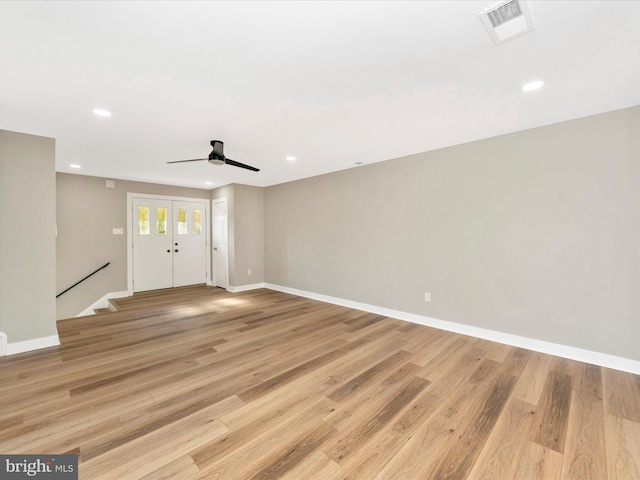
(194, 160)
(228, 161)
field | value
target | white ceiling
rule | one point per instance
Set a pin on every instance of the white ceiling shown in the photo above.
(332, 83)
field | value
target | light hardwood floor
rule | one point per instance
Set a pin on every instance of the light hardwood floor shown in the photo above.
(198, 383)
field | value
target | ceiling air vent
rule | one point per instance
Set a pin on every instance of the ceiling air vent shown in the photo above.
(507, 20)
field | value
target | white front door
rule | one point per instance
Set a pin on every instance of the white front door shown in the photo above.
(169, 247)
(152, 242)
(220, 244)
(189, 243)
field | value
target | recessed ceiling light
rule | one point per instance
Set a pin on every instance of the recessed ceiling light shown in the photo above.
(208, 183)
(291, 158)
(102, 112)
(535, 85)
(73, 165)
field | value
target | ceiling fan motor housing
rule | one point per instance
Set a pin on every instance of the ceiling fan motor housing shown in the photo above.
(217, 156)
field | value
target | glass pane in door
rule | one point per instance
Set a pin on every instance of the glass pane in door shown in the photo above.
(143, 220)
(197, 225)
(182, 221)
(161, 221)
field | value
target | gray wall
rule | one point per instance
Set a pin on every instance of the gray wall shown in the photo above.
(87, 212)
(27, 243)
(248, 235)
(245, 207)
(533, 233)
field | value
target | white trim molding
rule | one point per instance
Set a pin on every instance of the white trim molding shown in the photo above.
(565, 351)
(214, 275)
(3, 344)
(33, 344)
(246, 288)
(103, 302)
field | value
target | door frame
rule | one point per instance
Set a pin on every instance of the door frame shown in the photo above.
(213, 277)
(130, 226)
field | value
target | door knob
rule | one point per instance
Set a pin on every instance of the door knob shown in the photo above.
(176, 250)
(168, 251)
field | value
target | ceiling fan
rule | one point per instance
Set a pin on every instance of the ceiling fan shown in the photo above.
(217, 157)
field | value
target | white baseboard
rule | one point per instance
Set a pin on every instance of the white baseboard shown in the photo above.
(565, 351)
(103, 302)
(245, 288)
(33, 344)
(3, 344)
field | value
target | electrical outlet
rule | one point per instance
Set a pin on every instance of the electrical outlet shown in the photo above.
(427, 297)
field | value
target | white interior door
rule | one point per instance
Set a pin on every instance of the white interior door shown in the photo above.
(220, 244)
(152, 239)
(189, 243)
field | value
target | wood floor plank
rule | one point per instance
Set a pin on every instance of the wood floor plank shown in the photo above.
(317, 466)
(499, 458)
(533, 378)
(552, 416)
(12, 421)
(385, 444)
(61, 429)
(539, 463)
(622, 448)
(41, 400)
(622, 394)
(360, 359)
(197, 383)
(424, 339)
(136, 456)
(357, 408)
(441, 344)
(350, 443)
(454, 409)
(292, 453)
(263, 451)
(368, 375)
(135, 375)
(253, 392)
(255, 419)
(457, 351)
(182, 468)
(461, 381)
(584, 452)
(515, 361)
(459, 460)
(153, 452)
(590, 381)
(429, 442)
(183, 410)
